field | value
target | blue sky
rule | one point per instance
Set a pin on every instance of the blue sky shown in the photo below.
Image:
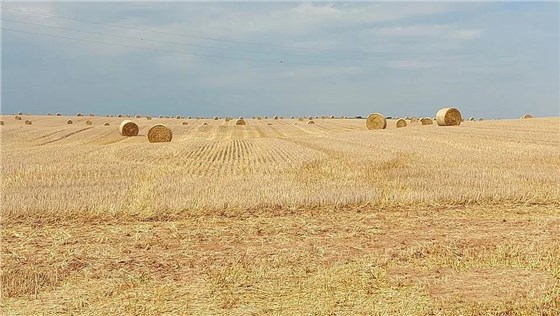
(490, 59)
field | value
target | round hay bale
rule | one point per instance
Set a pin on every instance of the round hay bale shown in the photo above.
(258, 118)
(159, 134)
(189, 117)
(89, 123)
(184, 123)
(376, 121)
(316, 117)
(91, 114)
(323, 117)
(227, 119)
(300, 119)
(106, 124)
(240, 121)
(20, 113)
(49, 114)
(266, 117)
(167, 116)
(401, 123)
(27, 122)
(69, 122)
(149, 118)
(128, 128)
(79, 114)
(119, 115)
(527, 116)
(58, 114)
(161, 116)
(471, 119)
(414, 120)
(310, 122)
(18, 118)
(1, 122)
(448, 117)
(204, 124)
(310, 118)
(407, 118)
(216, 118)
(291, 117)
(178, 117)
(275, 117)
(332, 116)
(426, 121)
(128, 115)
(138, 116)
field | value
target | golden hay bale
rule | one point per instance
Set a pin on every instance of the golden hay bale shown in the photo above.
(448, 117)
(240, 121)
(128, 115)
(89, 123)
(161, 116)
(79, 114)
(184, 123)
(27, 122)
(471, 119)
(18, 118)
(266, 117)
(300, 119)
(275, 117)
(316, 117)
(292, 117)
(69, 122)
(310, 118)
(1, 122)
(138, 116)
(128, 128)
(106, 124)
(216, 118)
(376, 121)
(426, 121)
(258, 118)
(189, 117)
(323, 117)
(401, 123)
(91, 114)
(178, 117)
(159, 134)
(414, 120)
(119, 115)
(332, 116)
(58, 114)
(227, 119)
(20, 113)
(310, 122)
(527, 116)
(149, 118)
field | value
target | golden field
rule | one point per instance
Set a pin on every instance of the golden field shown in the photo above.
(287, 218)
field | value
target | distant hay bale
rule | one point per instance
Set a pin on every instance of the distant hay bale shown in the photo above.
(281, 117)
(310, 118)
(240, 121)
(69, 122)
(27, 122)
(49, 114)
(161, 116)
(310, 122)
(227, 119)
(258, 118)
(401, 123)
(275, 117)
(300, 119)
(128, 115)
(138, 116)
(389, 117)
(128, 128)
(106, 124)
(332, 116)
(292, 117)
(178, 117)
(159, 134)
(20, 113)
(407, 118)
(316, 117)
(414, 120)
(18, 118)
(184, 123)
(266, 117)
(167, 116)
(204, 124)
(448, 117)
(480, 119)
(346, 117)
(527, 116)
(189, 117)
(119, 115)
(89, 123)
(58, 114)
(471, 119)
(376, 121)
(91, 114)
(216, 118)
(323, 117)
(426, 121)
(149, 118)
(1, 122)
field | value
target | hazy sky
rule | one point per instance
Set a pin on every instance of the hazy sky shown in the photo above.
(243, 59)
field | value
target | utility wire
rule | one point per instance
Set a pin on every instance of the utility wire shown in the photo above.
(188, 35)
(158, 49)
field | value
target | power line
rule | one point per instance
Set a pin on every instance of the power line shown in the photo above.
(147, 39)
(188, 35)
(155, 49)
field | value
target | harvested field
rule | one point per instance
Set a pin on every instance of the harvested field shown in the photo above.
(327, 218)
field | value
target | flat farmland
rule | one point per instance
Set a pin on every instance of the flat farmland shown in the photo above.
(280, 217)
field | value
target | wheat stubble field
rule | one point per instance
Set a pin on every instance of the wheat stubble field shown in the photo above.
(329, 218)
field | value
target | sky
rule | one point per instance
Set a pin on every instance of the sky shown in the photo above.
(489, 59)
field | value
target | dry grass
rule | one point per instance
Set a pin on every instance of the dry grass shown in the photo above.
(281, 219)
